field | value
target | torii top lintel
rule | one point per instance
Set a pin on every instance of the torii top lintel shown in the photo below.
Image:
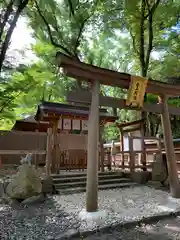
(82, 71)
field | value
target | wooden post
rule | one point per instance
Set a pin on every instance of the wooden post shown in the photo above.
(143, 146)
(143, 155)
(37, 157)
(122, 146)
(169, 147)
(109, 158)
(55, 143)
(131, 154)
(101, 148)
(159, 147)
(92, 158)
(48, 152)
(58, 152)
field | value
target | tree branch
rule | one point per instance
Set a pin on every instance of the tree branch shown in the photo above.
(134, 42)
(71, 7)
(5, 104)
(151, 12)
(9, 10)
(141, 40)
(150, 41)
(148, 5)
(77, 43)
(82, 28)
(50, 33)
(155, 6)
(6, 42)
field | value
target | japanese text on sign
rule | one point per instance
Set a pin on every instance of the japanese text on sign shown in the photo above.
(136, 91)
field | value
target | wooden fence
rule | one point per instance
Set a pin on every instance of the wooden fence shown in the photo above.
(15, 144)
(71, 151)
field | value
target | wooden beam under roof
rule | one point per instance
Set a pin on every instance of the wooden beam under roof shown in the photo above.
(86, 72)
(85, 97)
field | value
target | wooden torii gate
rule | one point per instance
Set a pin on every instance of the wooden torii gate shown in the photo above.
(96, 76)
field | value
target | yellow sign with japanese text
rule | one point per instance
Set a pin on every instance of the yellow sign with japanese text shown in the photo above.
(136, 91)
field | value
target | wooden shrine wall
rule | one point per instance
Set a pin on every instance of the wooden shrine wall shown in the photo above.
(72, 141)
(22, 141)
(72, 151)
(73, 124)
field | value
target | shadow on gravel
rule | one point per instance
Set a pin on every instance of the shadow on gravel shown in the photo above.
(168, 229)
(45, 220)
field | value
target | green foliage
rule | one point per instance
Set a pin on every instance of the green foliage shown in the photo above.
(103, 33)
(111, 132)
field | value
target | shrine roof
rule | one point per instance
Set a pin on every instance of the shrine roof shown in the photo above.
(48, 111)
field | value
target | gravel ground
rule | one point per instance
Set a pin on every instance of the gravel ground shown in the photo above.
(168, 229)
(60, 214)
(43, 221)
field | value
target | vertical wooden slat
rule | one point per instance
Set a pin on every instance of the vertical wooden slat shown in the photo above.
(101, 148)
(109, 160)
(131, 154)
(48, 152)
(55, 144)
(122, 145)
(58, 153)
(159, 147)
(143, 154)
(36, 157)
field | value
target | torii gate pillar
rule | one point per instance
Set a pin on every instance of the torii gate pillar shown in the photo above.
(93, 151)
(169, 147)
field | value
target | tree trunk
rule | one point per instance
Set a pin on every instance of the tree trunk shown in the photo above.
(142, 40)
(145, 58)
(142, 58)
(8, 12)
(6, 42)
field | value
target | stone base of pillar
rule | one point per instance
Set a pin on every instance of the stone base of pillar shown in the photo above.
(97, 217)
(172, 204)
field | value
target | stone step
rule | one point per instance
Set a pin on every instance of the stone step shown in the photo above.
(83, 178)
(83, 183)
(100, 187)
(83, 174)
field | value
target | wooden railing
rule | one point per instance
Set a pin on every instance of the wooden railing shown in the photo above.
(136, 159)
